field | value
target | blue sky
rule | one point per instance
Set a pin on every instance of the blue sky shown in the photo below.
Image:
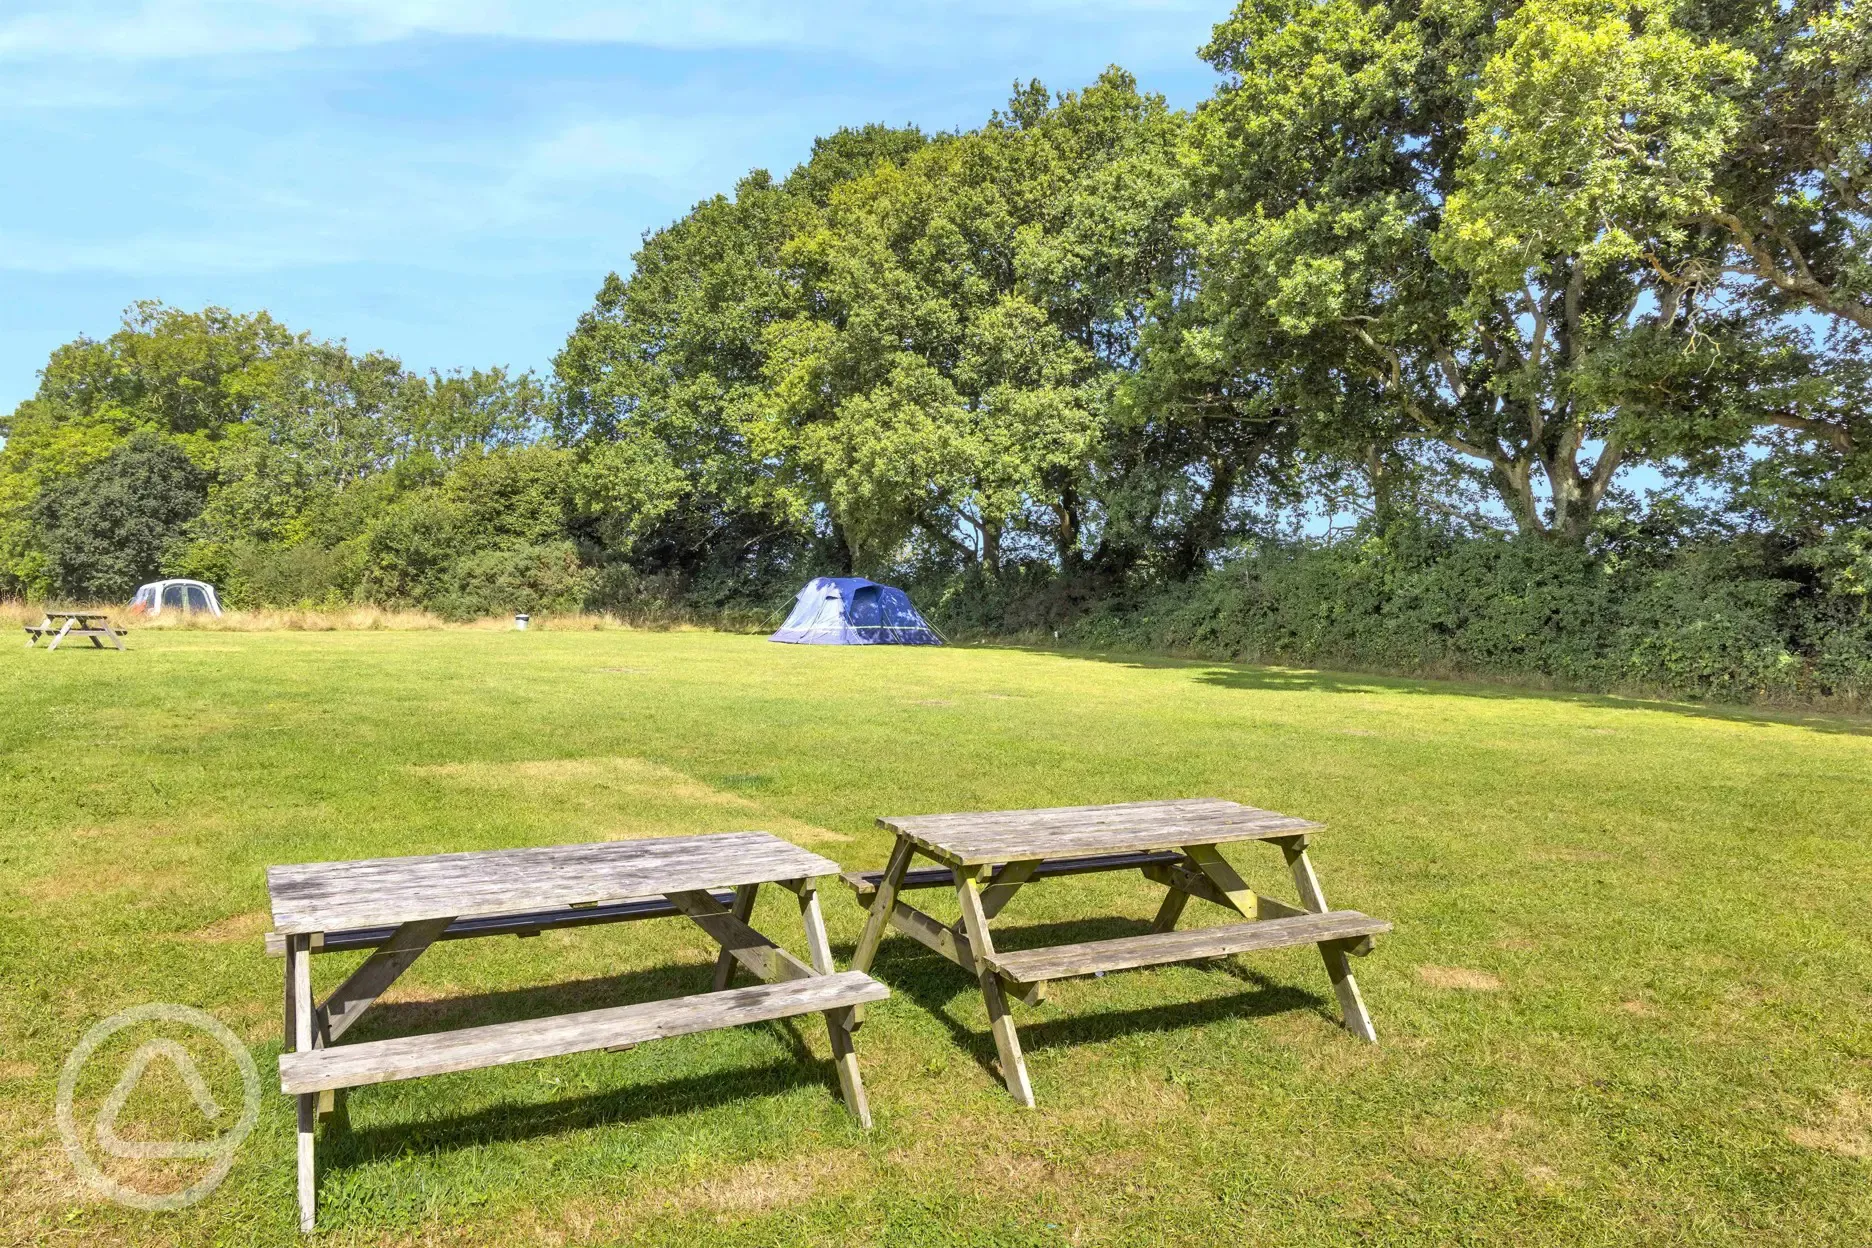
(450, 180)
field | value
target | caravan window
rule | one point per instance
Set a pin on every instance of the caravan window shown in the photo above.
(145, 598)
(172, 596)
(197, 601)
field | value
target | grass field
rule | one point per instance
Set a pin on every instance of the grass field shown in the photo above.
(1627, 1000)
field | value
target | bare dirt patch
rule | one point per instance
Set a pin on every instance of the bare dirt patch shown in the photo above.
(1459, 977)
(758, 1187)
(617, 781)
(236, 927)
(67, 885)
(1570, 853)
(1845, 1130)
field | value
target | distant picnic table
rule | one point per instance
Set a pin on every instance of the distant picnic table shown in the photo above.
(988, 856)
(92, 624)
(401, 906)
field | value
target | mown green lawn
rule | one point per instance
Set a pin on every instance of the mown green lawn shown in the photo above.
(1627, 999)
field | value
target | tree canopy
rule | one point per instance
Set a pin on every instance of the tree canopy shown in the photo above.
(1472, 267)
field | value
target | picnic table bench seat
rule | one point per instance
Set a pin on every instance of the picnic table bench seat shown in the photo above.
(499, 1044)
(1124, 953)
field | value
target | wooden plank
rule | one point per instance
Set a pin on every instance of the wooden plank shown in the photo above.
(940, 938)
(743, 909)
(360, 991)
(500, 1044)
(1004, 883)
(864, 883)
(299, 978)
(933, 934)
(882, 899)
(1196, 884)
(1157, 948)
(838, 1022)
(1223, 879)
(979, 838)
(60, 637)
(1058, 818)
(1354, 1016)
(745, 945)
(1007, 1040)
(1171, 910)
(530, 923)
(383, 892)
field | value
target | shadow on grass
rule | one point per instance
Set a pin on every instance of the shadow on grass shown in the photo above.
(350, 1146)
(935, 983)
(404, 1018)
(1307, 680)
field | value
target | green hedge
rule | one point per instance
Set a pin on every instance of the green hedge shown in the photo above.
(1733, 619)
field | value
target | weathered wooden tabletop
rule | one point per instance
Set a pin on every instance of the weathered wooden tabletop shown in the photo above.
(333, 896)
(1008, 835)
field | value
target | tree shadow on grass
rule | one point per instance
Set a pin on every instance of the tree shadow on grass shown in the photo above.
(937, 984)
(1308, 680)
(350, 1146)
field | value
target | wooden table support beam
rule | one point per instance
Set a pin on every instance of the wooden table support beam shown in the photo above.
(743, 909)
(1007, 1040)
(360, 991)
(745, 945)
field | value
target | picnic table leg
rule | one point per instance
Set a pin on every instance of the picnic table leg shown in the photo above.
(60, 637)
(742, 909)
(1332, 953)
(879, 917)
(1000, 1020)
(299, 988)
(1171, 910)
(838, 1022)
(881, 904)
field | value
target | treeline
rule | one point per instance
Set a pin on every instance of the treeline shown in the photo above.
(1357, 361)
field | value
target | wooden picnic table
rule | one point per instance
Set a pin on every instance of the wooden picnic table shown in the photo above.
(988, 856)
(92, 624)
(400, 906)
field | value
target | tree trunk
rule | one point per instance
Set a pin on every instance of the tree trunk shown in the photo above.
(842, 558)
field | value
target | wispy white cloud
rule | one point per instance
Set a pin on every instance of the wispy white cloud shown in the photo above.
(320, 198)
(450, 179)
(149, 30)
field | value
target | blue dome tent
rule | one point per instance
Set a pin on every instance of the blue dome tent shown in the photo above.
(851, 611)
